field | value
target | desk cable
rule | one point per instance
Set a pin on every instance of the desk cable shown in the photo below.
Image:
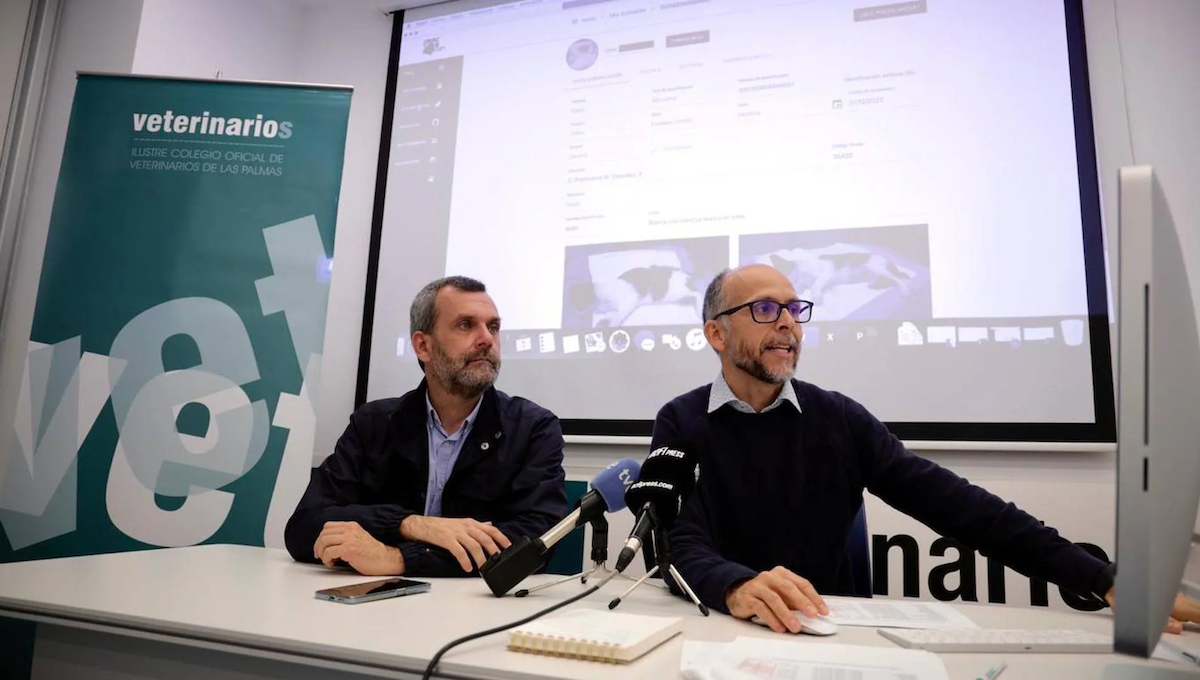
(475, 636)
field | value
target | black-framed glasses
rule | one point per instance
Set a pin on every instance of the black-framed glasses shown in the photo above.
(769, 311)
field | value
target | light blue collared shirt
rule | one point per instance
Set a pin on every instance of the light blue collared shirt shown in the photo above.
(443, 452)
(721, 395)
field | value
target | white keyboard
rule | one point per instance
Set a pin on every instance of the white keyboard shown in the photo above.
(984, 640)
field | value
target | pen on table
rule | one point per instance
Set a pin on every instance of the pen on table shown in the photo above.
(993, 671)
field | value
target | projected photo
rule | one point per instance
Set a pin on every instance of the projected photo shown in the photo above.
(872, 273)
(649, 283)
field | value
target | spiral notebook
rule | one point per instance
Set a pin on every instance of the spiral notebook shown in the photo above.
(595, 635)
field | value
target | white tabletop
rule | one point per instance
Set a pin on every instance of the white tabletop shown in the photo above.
(260, 600)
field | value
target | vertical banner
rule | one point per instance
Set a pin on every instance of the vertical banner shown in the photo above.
(169, 387)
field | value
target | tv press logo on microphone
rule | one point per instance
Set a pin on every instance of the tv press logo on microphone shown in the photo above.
(666, 451)
(670, 489)
(653, 484)
(626, 477)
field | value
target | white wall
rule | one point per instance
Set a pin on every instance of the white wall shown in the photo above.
(13, 19)
(256, 40)
(1161, 62)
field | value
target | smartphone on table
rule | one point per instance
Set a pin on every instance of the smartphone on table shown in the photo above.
(373, 590)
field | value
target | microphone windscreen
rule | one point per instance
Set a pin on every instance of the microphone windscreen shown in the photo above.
(613, 480)
(668, 478)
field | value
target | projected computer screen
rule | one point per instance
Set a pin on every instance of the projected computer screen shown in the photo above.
(914, 168)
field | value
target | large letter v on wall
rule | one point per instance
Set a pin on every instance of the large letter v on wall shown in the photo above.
(62, 393)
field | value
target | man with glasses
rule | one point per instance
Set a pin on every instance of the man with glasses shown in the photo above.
(783, 466)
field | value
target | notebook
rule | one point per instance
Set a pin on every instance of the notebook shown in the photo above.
(595, 635)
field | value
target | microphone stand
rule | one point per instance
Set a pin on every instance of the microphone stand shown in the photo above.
(599, 547)
(664, 566)
(599, 560)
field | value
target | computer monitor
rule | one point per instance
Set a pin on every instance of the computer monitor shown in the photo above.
(1158, 421)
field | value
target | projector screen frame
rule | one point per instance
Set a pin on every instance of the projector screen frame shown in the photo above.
(1098, 436)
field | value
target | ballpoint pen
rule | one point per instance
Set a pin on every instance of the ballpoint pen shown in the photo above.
(993, 671)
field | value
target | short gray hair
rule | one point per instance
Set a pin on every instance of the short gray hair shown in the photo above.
(714, 296)
(422, 315)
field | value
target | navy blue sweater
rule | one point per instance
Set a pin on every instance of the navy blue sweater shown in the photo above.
(782, 488)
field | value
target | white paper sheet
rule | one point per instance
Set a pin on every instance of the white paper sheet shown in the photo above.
(1176, 651)
(698, 657)
(764, 659)
(883, 613)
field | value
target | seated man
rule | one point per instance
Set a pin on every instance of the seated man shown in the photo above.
(783, 465)
(433, 482)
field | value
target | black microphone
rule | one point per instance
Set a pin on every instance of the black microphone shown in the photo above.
(512, 565)
(667, 479)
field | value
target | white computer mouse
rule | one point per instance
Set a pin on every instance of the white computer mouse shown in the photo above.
(818, 625)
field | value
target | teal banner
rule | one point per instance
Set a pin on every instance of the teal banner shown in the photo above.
(169, 388)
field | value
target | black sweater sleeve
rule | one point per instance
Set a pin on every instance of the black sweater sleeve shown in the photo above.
(953, 507)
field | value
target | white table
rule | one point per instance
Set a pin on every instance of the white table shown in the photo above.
(243, 612)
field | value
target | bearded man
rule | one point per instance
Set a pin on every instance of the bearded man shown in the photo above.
(783, 465)
(433, 482)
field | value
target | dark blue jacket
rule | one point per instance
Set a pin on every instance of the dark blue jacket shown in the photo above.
(782, 488)
(509, 472)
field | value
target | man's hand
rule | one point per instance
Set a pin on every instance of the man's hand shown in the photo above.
(350, 543)
(466, 539)
(772, 596)
(1183, 611)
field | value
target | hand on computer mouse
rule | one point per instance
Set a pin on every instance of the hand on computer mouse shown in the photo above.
(809, 625)
(773, 596)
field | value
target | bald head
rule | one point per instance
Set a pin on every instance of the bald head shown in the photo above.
(734, 286)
